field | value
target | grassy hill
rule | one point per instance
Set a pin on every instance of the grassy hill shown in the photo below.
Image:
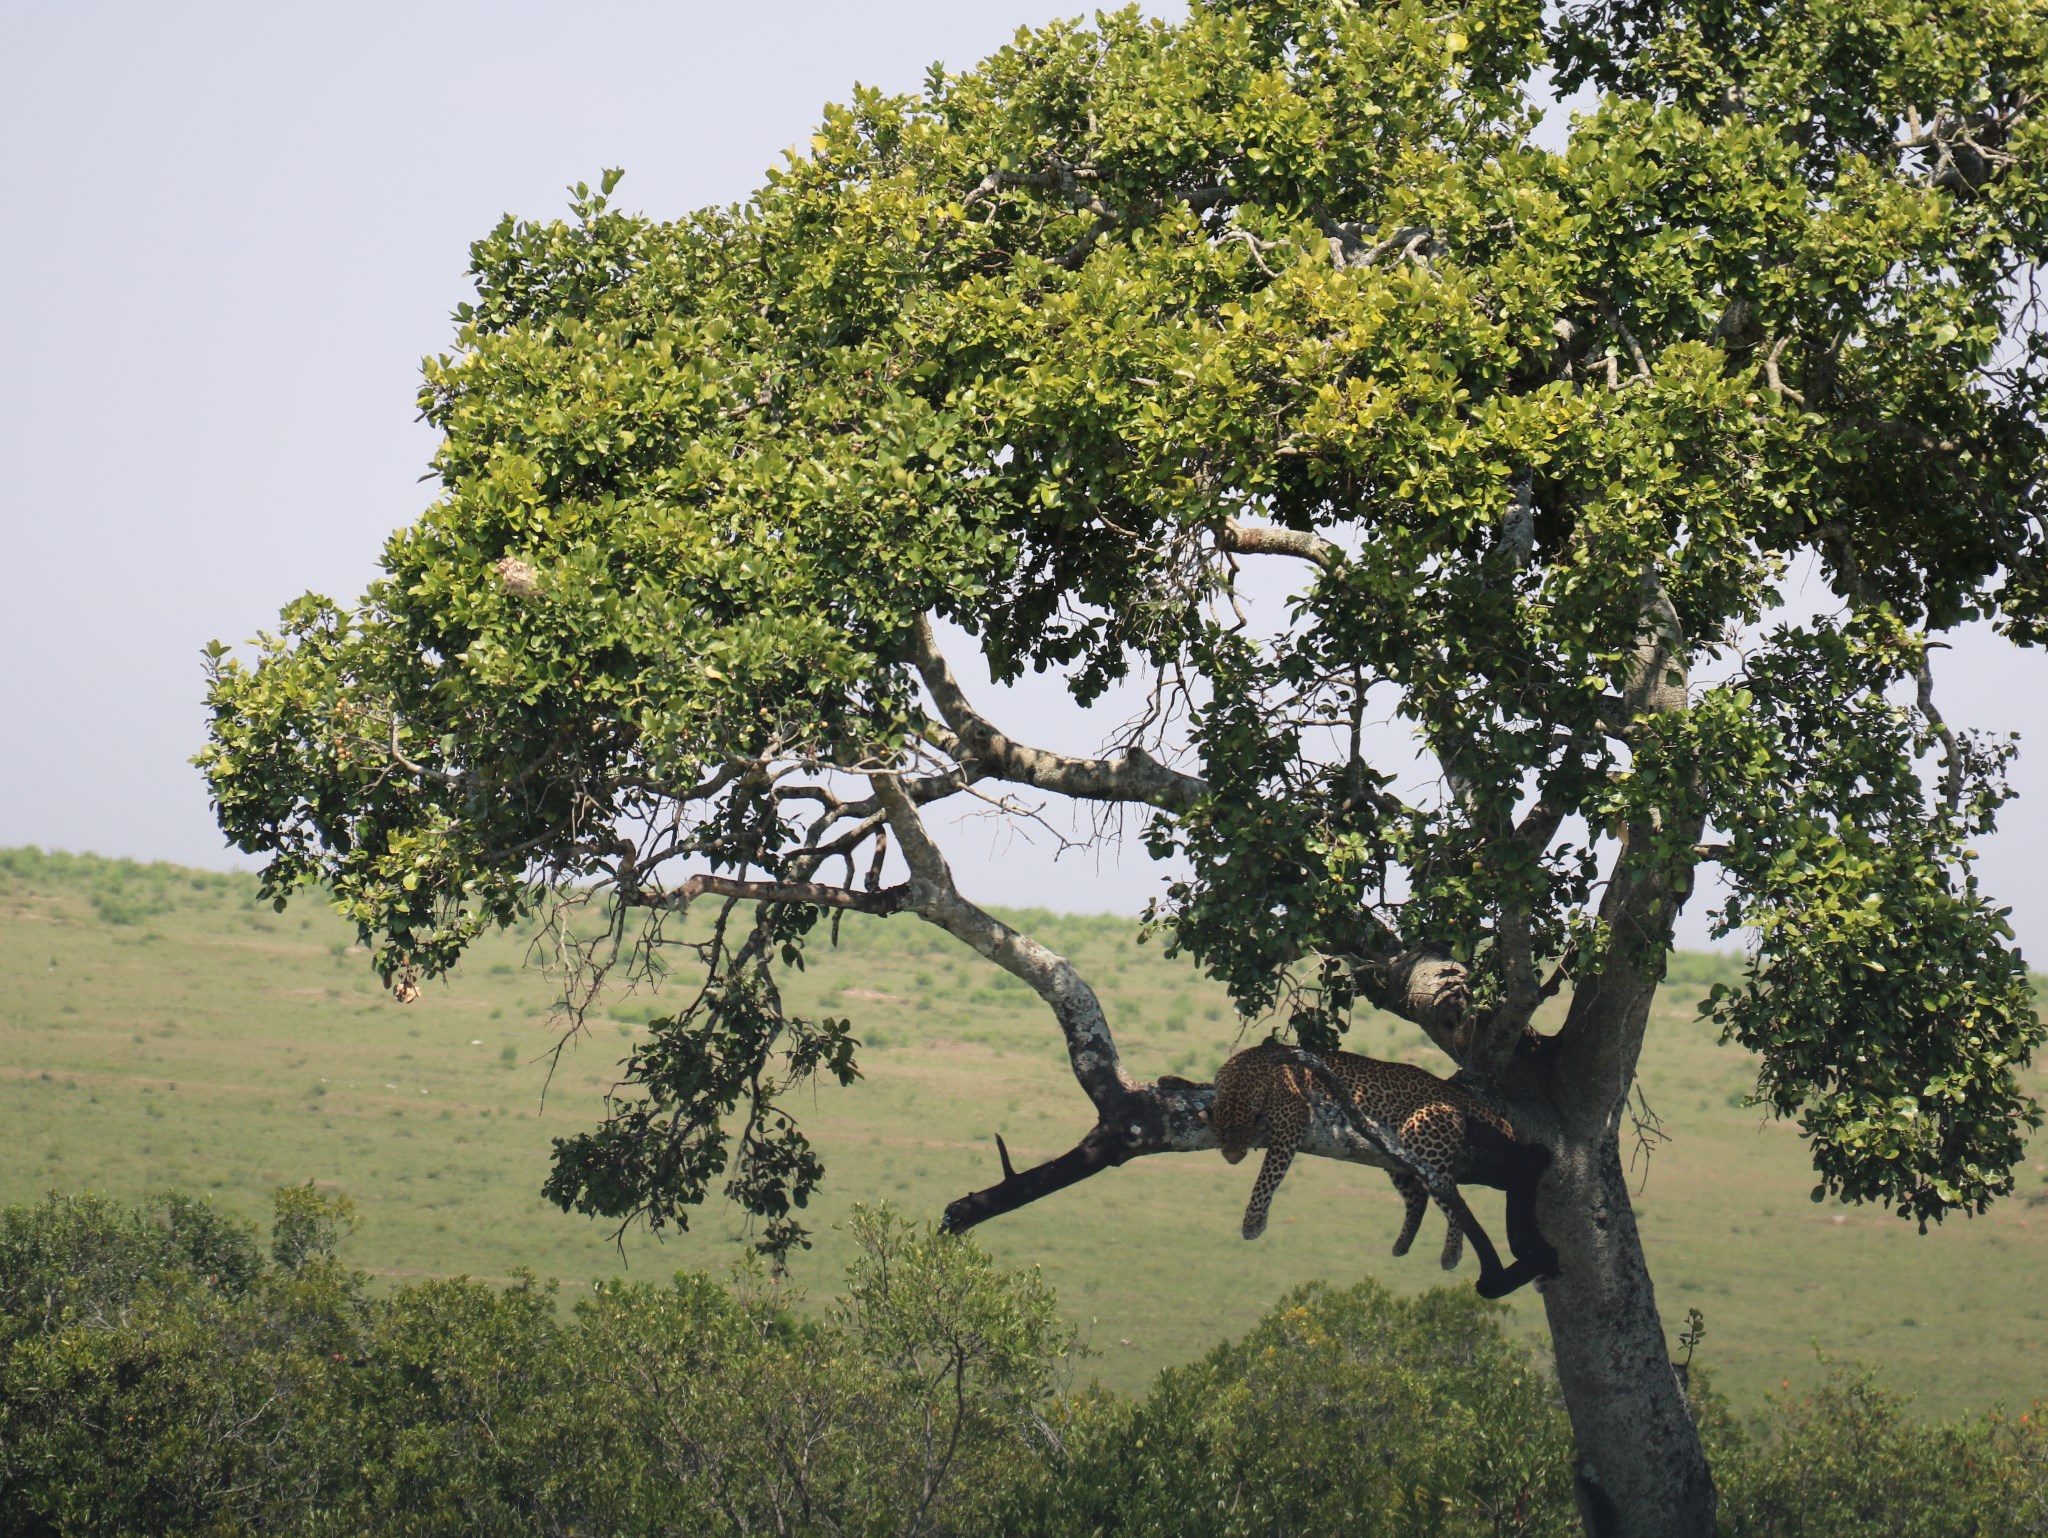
(160, 1029)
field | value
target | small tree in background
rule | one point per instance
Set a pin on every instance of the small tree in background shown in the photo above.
(1055, 351)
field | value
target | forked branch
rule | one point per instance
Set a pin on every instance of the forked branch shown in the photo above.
(1651, 879)
(932, 895)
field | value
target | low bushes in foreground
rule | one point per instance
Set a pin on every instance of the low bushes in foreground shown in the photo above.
(161, 1374)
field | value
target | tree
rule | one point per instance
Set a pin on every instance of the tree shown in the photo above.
(1056, 349)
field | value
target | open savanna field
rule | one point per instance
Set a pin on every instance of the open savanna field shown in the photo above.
(160, 1029)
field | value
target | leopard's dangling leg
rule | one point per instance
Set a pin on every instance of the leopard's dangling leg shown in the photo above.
(1454, 1242)
(1495, 1280)
(1498, 1159)
(1524, 1237)
(1286, 1125)
(1415, 1195)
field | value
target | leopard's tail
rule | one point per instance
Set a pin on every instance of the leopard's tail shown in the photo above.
(1235, 1116)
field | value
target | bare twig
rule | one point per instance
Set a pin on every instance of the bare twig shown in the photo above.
(1649, 1132)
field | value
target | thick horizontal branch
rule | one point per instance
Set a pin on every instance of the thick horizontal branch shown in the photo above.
(1100, 1150)
(1424, 987)
(1243, 539)
(984, 751)
(888, 900)
(1172, 1116)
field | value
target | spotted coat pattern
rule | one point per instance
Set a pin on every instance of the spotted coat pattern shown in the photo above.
(1426, 1117)
(1415, 1197)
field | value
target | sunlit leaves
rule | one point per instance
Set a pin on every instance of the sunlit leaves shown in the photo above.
(1887, 1003)
(1014, 351)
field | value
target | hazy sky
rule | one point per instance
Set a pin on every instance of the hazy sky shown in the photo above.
(237, 229)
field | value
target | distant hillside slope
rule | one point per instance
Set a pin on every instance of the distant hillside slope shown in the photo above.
(160, 1028)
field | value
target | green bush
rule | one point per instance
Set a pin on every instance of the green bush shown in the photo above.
(1849, 1461)
(158, 1378)
(159, 1374)
(1344, 1411)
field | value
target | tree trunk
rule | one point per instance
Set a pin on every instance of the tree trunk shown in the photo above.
(1641, 1470)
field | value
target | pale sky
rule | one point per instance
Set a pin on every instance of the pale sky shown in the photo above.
(236, 231)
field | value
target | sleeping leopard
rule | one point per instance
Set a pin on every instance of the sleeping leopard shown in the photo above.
(1443, 1134)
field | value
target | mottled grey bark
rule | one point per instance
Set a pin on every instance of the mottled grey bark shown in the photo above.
(1641, 1471)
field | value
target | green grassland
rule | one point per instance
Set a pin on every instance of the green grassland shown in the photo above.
(161, 1029)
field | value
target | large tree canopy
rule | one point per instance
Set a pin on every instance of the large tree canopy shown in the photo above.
(1050, 351)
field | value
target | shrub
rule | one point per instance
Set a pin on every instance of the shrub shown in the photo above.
(1344, 1411)
(160, 1375)
(1849, 1461)
(157, 1378)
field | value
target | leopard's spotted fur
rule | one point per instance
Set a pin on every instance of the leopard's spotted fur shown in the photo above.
(1415, 1199)
(1442, 1133)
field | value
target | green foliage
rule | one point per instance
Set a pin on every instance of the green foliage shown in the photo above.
(459, 1412)
(140, 1393)
(1016, 350)
(666, 1138)
(1885, 1000)
(886, 1418)
(307, 1228)
(157, 1376)
(83, 1255)
(1344, 1411)
(1850, 1461)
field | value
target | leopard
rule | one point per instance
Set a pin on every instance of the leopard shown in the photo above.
(1441, 1133)
(1415, 1202)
